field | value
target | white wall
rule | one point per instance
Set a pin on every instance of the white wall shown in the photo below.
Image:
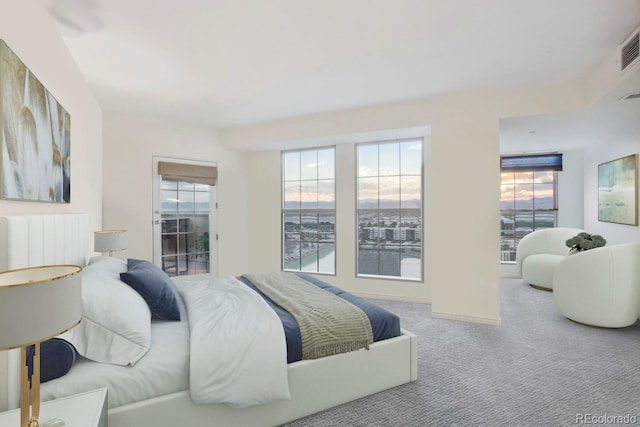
(27, 29)
(130, 142)
(462, 191)
(611, 150)
(571, 190)
(617, 143)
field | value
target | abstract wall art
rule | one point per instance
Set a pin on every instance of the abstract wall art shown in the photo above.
(618, 191)
(35, 130)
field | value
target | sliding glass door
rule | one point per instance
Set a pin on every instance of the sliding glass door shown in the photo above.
(183, 222)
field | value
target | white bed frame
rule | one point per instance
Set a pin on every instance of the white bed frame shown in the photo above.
(315, 385)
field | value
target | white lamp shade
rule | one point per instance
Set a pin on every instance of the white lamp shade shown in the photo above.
(38, 303)
(110, 240)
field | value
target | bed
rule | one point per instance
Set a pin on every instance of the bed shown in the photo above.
(313, 385)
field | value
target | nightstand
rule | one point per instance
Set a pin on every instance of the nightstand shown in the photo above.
(87, 409)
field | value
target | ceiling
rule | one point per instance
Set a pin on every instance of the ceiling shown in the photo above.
(610, 119)
(225, 63)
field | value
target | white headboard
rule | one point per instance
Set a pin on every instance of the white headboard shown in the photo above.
(33, 240)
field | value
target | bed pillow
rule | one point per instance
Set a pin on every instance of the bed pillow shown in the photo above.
(155, 286)
(116, 321)
(57, 357)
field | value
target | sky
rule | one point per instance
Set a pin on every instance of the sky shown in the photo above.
(390, 171)
(522, 185)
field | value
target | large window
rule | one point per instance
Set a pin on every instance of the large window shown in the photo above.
(528, 199)
(309, 211)
(389, 209)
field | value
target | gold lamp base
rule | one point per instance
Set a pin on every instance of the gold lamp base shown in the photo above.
(30, 395)
(52, 294)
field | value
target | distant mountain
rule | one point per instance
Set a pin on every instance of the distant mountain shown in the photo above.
(310, 205)
(390, 204)
(539, 203)
(364, 204)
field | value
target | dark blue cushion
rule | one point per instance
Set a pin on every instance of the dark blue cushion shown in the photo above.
(155, 286)
(57, 356)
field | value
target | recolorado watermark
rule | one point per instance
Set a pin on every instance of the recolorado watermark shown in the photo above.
(606, 419)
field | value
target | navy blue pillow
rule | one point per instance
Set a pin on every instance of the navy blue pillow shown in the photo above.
(155, 286)
(57, 357)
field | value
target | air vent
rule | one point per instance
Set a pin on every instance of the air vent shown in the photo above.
(630, 51)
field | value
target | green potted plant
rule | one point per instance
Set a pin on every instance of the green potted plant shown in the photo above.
(585, 241)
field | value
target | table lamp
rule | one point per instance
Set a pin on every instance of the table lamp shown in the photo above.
(37, 303)
(110, 240)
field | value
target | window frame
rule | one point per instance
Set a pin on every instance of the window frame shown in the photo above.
(532, 211)
(305, 211)
(399, 209)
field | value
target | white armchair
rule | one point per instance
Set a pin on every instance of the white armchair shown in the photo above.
(601, 286)
(539, 253)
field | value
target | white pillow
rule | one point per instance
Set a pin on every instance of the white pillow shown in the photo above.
(116, 320)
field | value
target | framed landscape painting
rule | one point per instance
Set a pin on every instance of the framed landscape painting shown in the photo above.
(618, 191)
(35, 160)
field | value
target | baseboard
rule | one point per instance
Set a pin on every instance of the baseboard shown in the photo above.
(393, 297)
(483, 320)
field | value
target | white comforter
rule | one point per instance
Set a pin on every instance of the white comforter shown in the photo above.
(238, 350)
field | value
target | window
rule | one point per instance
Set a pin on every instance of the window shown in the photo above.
(182, 212)
(389, 209)
(309, 211)
(528, 199)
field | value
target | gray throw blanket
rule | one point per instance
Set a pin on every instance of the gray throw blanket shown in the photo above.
(328, 324)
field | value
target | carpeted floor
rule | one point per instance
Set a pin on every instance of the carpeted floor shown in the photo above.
(537, 369)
